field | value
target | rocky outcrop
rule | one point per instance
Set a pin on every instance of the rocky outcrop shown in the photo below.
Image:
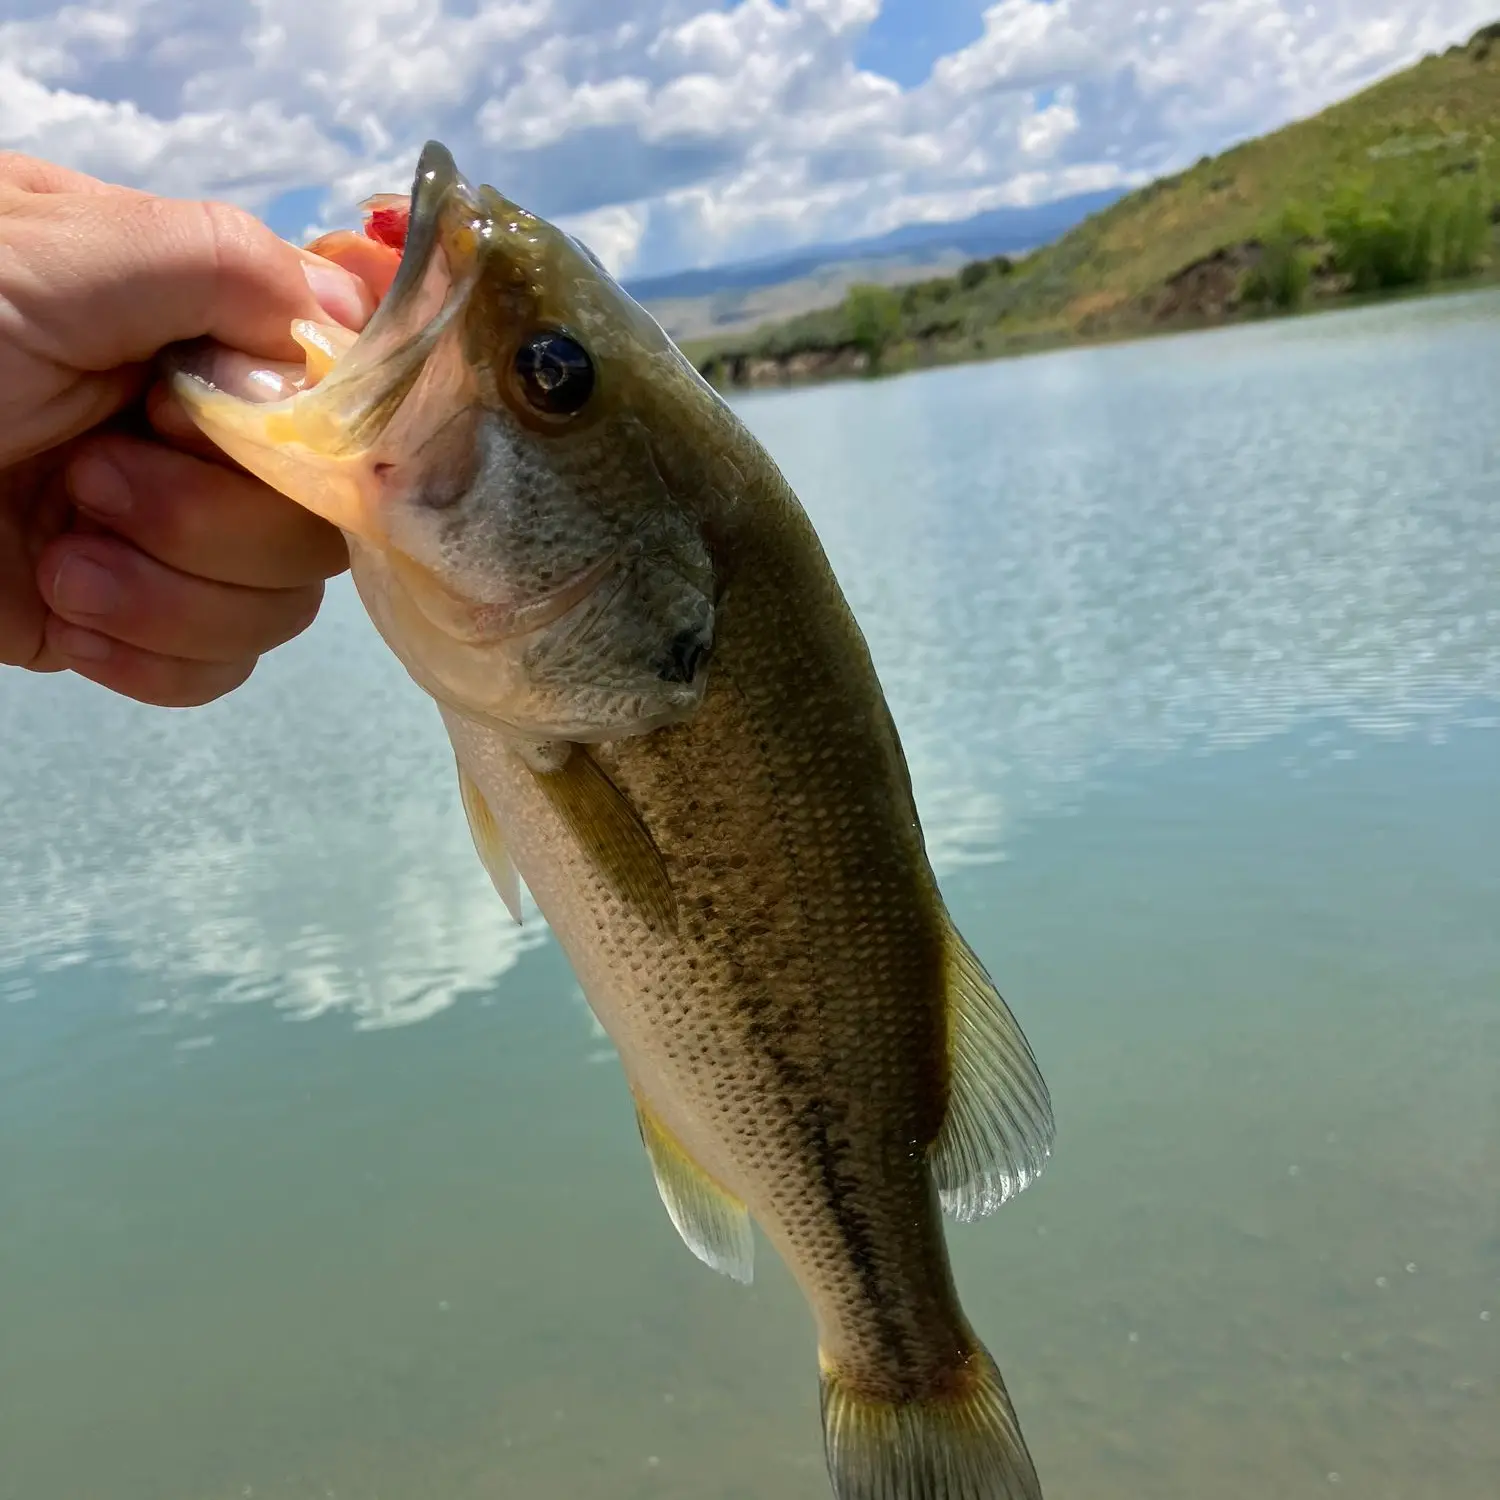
(1210, 288)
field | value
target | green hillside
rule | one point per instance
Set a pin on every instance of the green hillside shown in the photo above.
(1393, 188)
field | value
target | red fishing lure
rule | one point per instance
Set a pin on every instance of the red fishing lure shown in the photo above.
(386, 218)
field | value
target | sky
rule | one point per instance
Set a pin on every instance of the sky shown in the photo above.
(672, 133)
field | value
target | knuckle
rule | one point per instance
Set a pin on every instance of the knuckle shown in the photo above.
(238, 242)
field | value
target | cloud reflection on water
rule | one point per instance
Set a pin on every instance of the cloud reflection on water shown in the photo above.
(1147, 550)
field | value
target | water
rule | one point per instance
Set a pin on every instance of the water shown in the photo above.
(317, 1180)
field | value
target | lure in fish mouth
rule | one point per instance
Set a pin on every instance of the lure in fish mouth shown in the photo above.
(484, 448)
(667, 721)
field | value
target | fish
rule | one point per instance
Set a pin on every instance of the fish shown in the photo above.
(667, 722)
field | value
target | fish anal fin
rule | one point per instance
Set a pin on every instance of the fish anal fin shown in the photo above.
(998, 1131)
(612, 834)
(489, 844)
(713, 1223)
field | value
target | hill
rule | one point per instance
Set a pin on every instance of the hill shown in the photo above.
(742, 296)
(996, 232)
(1392, 187)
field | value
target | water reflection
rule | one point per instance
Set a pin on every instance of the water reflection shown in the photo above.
(1057, 561)
(300, 845)
(1202, 542)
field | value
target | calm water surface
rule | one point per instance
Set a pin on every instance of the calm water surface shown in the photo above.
(316, 1179)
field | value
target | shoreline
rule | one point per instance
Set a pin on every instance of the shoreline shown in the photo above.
(812, 368)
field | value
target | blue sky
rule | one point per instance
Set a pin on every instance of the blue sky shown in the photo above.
(908, 36)
(683, 132)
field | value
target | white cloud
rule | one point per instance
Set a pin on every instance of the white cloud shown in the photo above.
(676, 131)
(613, 233)
(1043, 132)
(1026, 44)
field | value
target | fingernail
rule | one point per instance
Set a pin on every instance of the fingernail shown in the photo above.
(81, 645)
(83, 587)
(338, 292)
(98, 486)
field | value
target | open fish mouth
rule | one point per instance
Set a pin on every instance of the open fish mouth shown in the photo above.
(295, 423)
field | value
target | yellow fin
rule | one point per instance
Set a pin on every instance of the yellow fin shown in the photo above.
(999, 1129)
(713, 1224)
(607, 827)
(490, 845)
(962, 1444)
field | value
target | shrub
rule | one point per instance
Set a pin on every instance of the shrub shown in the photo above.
(1461, 231)
(1285, 271)
(1379, 245)
(873, 317)
(1411, 238)
(973, 273)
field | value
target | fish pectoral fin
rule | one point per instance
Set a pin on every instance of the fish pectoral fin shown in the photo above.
(609, 830)
(999, 1129)
(490, 845)
(713, 1223)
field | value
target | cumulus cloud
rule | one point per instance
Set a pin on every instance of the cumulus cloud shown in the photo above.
(673, 132)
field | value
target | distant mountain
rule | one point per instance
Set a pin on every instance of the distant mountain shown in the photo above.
(1000, 231)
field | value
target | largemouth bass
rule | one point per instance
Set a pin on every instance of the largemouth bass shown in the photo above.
(667, 722)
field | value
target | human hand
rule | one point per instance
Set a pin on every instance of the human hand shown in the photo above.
(138, 556)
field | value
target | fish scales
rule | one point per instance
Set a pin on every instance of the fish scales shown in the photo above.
(798, 1015)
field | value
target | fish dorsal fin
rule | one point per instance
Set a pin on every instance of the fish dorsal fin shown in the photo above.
(609, 830)
(490, 845)
(713, 1224)
(998, 1132)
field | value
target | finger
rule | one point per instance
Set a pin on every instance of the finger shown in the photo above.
(74, 407)
(375, 264)
(163, 681)
(107, 586)
(202, 518)
(144, 272)
(169, 418)
(21, 611)
(34, 508)
(30, 174)
(352, 302)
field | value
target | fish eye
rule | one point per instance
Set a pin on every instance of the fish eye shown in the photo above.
(555, 373)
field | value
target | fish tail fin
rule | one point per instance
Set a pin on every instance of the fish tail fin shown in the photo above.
(962, 1443)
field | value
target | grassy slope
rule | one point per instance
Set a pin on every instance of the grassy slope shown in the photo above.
(1105, 278)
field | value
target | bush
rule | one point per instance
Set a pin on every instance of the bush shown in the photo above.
(973, 273)
(1285, 271)
(1378, 245)
(1409, 239)
(873, 316)
(1282, 277)
(1461, 232)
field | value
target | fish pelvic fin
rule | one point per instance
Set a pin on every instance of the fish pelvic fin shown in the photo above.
(998, 1132)
(961, 1444)
(490, 845)
(608, 828)
(713, 1223)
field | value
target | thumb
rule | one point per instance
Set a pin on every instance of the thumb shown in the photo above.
(119, 276)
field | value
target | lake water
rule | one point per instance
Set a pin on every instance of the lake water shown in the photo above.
(316, 1179)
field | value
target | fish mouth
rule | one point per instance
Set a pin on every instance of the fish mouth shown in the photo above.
(311, 437)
